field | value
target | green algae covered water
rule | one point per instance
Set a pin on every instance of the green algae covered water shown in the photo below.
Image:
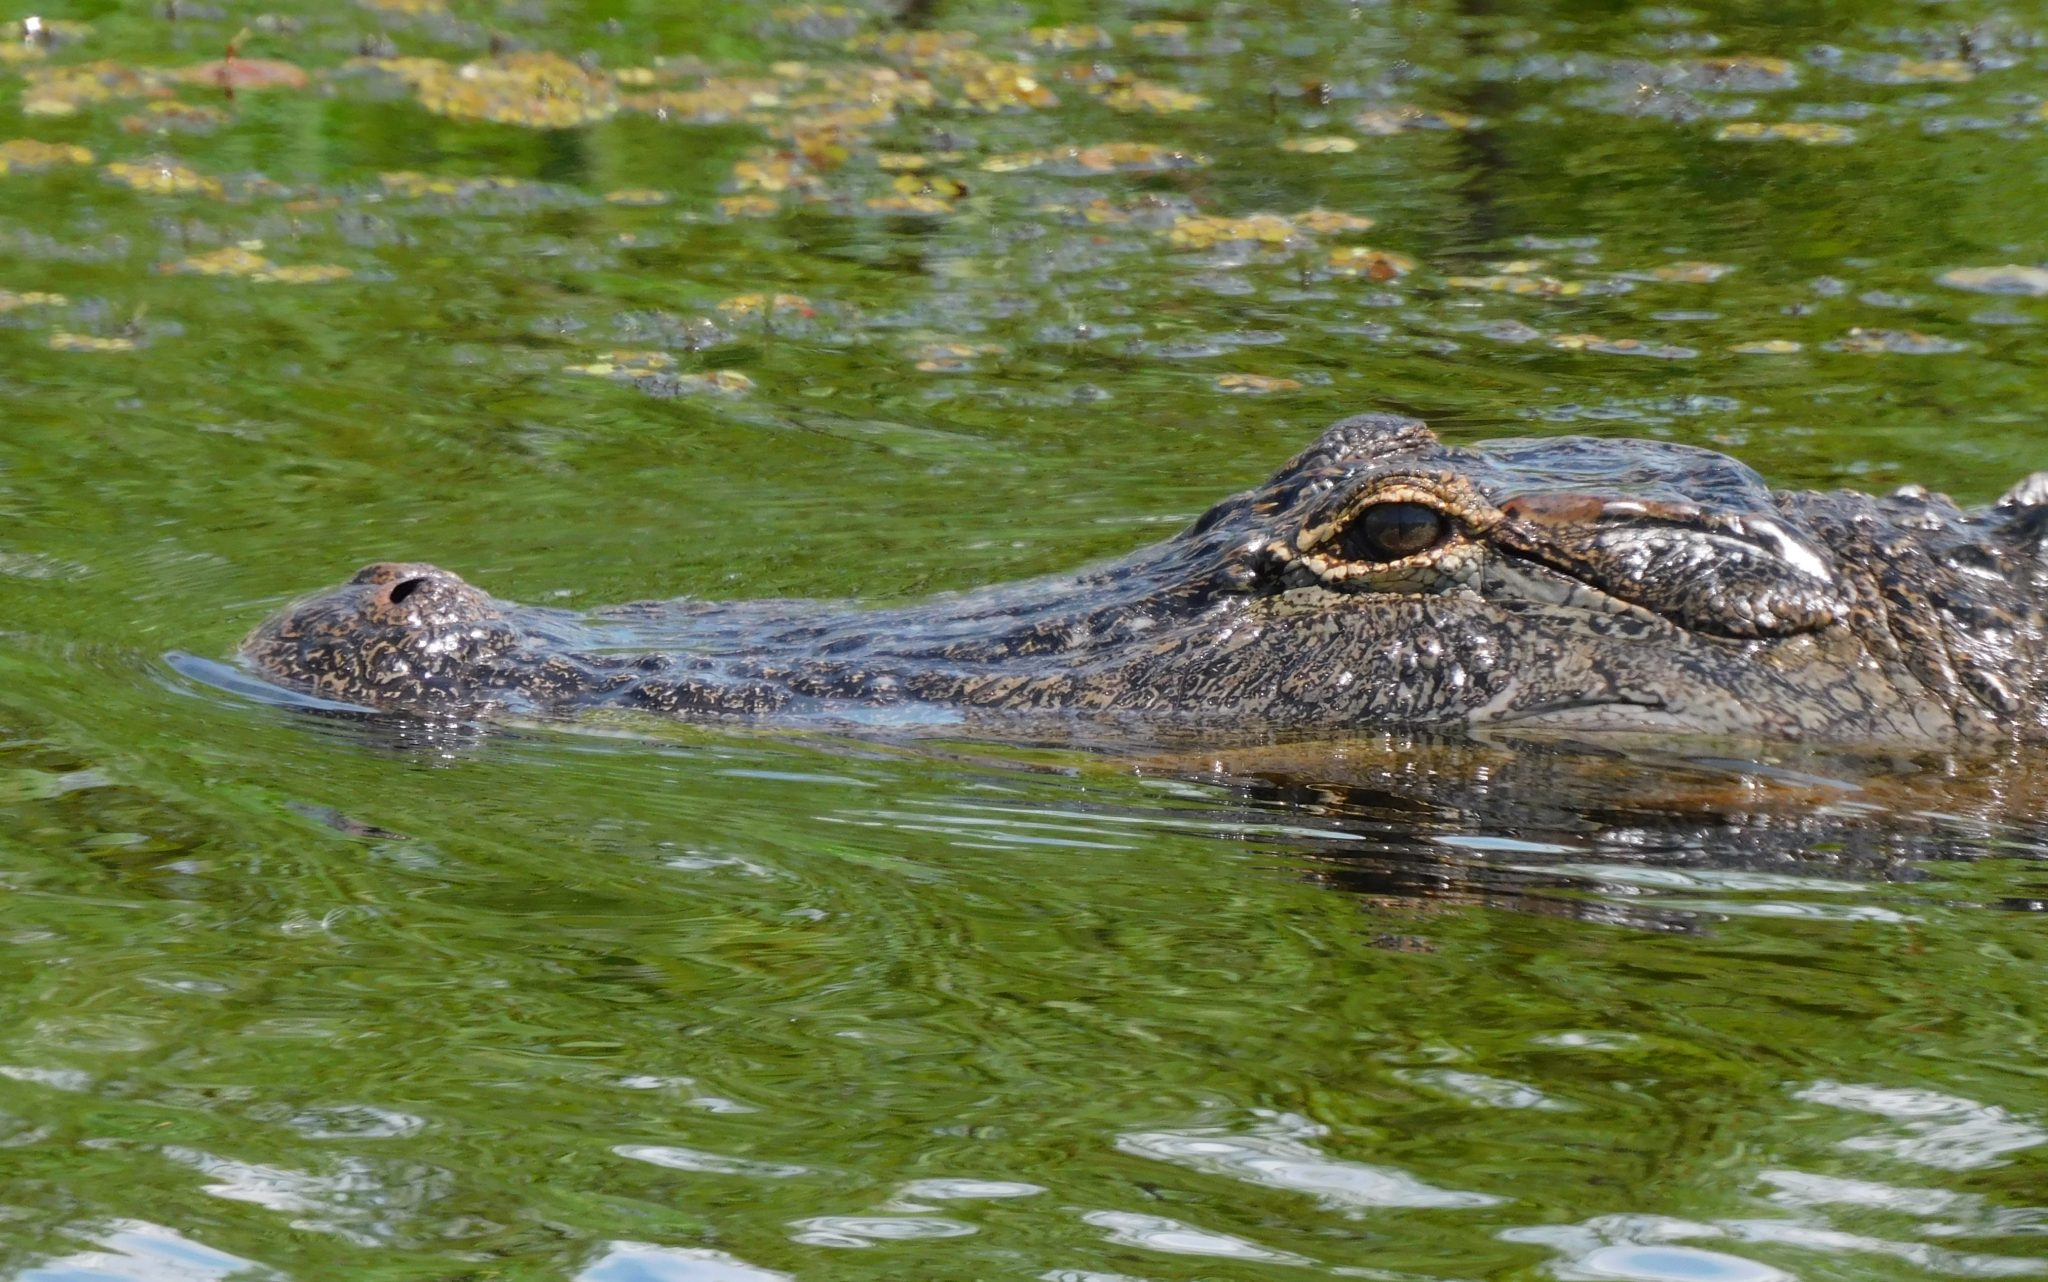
(595, 301)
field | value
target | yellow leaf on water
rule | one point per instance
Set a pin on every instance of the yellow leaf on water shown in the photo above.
(1255, 384)
(1320, 145)
(63, 341)
(1812, 133)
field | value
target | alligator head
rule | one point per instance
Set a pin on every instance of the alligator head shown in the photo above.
(1379, 578)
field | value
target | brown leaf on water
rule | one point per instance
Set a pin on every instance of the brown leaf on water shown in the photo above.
(1685, 273)
(1767, 347)
(245, 73)
(304, 274)
(168, 116)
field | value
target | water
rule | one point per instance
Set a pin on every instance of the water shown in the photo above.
(301, 996)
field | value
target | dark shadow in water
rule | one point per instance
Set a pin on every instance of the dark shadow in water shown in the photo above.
(1600, 830)
(1593, 828)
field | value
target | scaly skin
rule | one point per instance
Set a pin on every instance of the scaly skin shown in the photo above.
(1380, 578)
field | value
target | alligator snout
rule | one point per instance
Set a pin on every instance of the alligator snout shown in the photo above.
(396, 632)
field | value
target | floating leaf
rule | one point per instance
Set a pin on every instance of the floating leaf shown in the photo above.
(234, 260)
(13, 302)
(951, 357)
(1204, 231)
(1100, 158)
(770, 172)
(1068, 39)
(1133, 94)
(1385, 121)
(1739, 73)
(1370, 264)
(819, 21)
(1332, 222)
(767, 305)
(1511, 283)
(1321, 145)
(61, 91)
(1688, 273)
(1006, 86)
(28, 155)
(637, 197)
(170, 116)
(1621, 347)
(1899, 342)
(749, 206)
(1809, 132)
(2009, 279)
(64, 341)
(538, 90)
(627, 364)
(245, 73)
(1255, 384)
(305, 274)
(162, 177)
(1767, 347)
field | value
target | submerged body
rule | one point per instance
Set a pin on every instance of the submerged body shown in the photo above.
(1379, 578)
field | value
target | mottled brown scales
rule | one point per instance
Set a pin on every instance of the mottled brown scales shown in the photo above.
(1379, 578)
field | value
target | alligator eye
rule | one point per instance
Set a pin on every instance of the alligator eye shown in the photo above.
(1390, 531)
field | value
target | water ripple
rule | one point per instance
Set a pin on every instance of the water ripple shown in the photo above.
(1274, 1154)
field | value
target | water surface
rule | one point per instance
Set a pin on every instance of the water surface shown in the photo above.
(870, 303)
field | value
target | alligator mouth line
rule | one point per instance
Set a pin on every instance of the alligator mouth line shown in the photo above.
(1507, 582)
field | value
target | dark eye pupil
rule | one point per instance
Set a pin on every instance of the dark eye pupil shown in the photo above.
(1390, 531)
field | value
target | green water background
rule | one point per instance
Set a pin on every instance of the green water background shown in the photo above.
(297, 999)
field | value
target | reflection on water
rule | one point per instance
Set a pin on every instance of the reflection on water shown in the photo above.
(1378, 1008)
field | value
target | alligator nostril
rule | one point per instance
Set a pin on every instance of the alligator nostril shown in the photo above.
(405, 588)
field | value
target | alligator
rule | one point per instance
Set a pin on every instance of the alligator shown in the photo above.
(1381, 578)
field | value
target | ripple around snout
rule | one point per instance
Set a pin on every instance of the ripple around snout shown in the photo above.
(231, 679)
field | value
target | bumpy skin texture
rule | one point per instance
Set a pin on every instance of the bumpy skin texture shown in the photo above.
(1379, 578)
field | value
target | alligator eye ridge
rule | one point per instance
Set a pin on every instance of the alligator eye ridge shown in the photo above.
(1391, 531)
